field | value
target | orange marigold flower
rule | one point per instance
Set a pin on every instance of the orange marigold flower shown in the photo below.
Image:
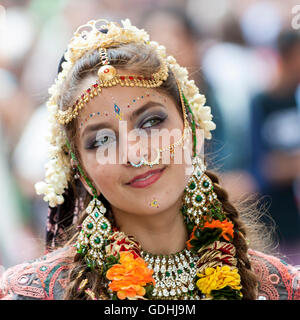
(192, 237)
(226, 226)
(129, 276)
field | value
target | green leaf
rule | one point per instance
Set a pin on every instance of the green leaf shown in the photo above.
(219, 216)
(149, 288)
(115, 297)
(109, 262)
(198, 233)
(112, 259)
(194, 242)
(226, 293)
(205, 237)
(190, 227)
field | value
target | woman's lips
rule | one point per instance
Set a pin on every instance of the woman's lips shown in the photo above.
(147, 179)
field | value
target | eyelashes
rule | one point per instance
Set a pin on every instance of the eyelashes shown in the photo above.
(103, 140)
(106, 139)
(153, 121)
(99, 141)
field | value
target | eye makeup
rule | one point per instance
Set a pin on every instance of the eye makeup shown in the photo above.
(99, 139)
(156, 116)
(117, 110)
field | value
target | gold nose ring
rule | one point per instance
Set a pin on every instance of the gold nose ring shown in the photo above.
(152, 163)
(143, 161)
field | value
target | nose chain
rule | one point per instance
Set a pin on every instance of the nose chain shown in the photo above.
(171, 147)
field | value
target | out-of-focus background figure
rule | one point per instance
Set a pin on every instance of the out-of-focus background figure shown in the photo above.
(275, 133)
(243, 55)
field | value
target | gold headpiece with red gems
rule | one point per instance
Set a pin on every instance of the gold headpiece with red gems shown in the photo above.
(108, 77)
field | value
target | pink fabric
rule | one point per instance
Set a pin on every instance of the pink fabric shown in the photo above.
(277, 280)
(42, 279)
(47, 277)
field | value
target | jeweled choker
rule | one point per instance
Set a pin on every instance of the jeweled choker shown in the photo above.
(174, 275)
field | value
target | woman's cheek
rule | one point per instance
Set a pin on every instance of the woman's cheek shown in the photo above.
(106, 177)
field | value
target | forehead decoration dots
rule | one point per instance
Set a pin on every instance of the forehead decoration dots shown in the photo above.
(117, 109)
(91, 115)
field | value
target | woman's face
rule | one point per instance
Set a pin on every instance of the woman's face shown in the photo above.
(121, 120)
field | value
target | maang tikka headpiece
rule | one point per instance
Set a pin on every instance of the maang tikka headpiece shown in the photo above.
(101, 35)
(108, 77)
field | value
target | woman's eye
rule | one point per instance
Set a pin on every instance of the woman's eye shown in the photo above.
(103, 140)
(152, 122)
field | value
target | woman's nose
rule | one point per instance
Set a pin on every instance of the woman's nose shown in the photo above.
(136, 153)
(133, 145)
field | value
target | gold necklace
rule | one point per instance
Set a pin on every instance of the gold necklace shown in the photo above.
(174, 275)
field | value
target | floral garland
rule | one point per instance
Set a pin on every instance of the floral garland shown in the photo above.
(217, 275)
(86, 38)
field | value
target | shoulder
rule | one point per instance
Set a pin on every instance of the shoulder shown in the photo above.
(41, 279)
(277, 279)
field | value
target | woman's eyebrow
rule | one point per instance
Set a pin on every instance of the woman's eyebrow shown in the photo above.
(134, 114)
(96, 127)
(143, 108)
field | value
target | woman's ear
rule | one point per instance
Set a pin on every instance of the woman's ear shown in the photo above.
(86, 186)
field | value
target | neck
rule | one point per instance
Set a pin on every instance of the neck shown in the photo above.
(161, 233)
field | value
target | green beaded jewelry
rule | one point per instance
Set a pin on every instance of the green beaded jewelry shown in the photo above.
(199, 198)
(185, 101)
